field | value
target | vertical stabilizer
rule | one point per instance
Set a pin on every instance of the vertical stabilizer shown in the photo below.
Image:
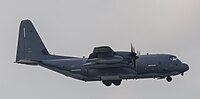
(30, 45)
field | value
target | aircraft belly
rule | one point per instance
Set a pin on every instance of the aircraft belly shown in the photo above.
(114, 77)
(148, 75)
(119, 77)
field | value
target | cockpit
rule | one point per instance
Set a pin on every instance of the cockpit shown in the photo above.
(173, 58)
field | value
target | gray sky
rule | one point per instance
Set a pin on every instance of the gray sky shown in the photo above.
(75, 27)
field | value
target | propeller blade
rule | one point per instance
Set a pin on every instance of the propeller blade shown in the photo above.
(133, 54)
(132, 49)
(138, 52)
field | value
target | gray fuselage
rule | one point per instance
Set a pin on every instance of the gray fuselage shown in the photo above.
(103, 64)
(147, 66)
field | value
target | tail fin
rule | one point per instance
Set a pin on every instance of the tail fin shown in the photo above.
(30, 45)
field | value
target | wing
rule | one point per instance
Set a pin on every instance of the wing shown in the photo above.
(104, 57)
(102, 52)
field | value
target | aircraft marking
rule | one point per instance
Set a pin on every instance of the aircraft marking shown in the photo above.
(24, 32)
(152, 65)
(76, 70)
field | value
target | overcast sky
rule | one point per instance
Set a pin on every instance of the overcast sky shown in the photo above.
(75, 27)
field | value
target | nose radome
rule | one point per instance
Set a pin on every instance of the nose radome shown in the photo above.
(186, 67)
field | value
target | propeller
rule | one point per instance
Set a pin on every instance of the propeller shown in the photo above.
(134, 55)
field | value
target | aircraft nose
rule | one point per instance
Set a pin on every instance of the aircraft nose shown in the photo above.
(186, 67)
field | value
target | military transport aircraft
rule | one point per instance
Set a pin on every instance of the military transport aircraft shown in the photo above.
(103, 64)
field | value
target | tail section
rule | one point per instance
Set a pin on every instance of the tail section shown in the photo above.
(30, 46)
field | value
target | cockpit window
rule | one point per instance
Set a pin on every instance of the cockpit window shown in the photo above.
(173, 58)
